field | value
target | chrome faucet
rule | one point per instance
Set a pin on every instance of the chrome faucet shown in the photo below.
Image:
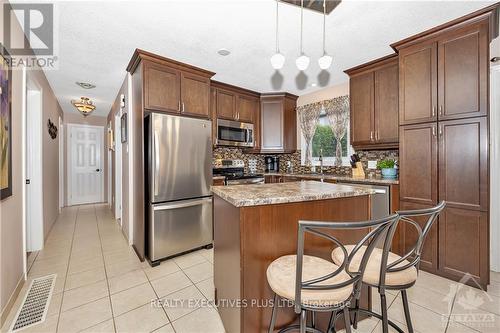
(321, 160)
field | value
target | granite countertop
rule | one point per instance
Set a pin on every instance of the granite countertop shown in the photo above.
(345, 178)
(269, 194)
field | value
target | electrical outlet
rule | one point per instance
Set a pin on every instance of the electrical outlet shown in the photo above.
(372, 164)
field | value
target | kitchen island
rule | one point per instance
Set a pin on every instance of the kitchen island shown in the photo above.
(255, 224)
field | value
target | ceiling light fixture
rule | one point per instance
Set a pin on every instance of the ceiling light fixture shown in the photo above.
(278, 59)
(85, 85)
(224, 52)
(84, 105)
(302, 61)
(325, 61)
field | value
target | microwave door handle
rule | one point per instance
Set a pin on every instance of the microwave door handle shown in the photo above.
(248, 136)
(157, 162)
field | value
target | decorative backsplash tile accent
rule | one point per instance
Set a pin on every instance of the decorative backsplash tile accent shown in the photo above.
(364, 155)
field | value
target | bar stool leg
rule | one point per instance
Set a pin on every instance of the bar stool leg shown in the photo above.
(347, 320)
(385, 321)
(273, 315)
(313, 319)
(303, 321)
(407, 311)
(356, 314)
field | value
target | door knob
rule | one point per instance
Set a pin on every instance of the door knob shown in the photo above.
(97, 170)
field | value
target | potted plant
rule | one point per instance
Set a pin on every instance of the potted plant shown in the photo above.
(388, 168)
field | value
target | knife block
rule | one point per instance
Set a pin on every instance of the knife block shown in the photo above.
(358, 171)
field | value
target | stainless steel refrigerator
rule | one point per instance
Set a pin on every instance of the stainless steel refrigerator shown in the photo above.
(179, 176)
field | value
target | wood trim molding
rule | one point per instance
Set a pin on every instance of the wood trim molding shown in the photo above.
(486, 13)
(373, 65)
(239, 90)
(279, 95)
(140, 55)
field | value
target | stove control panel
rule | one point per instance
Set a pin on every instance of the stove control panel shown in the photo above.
(221, 163)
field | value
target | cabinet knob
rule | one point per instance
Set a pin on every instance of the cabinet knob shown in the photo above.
(433, 111)
(371, 135)
(440, 110)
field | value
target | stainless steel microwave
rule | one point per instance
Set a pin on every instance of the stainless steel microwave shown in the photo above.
(235, 133)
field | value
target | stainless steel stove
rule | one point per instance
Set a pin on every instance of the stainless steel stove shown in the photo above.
(234, 171)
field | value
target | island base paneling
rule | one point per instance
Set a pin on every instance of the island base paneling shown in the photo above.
(248, 239)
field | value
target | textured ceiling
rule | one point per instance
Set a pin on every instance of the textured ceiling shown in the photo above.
(97, 39)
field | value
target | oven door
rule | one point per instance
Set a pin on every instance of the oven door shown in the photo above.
(234, 133)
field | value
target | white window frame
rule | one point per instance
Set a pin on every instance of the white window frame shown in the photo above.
(329, 160)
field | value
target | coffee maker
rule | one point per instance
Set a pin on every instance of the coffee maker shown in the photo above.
(272, 163)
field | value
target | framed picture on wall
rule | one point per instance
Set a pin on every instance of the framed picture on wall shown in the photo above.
(124, 126)
(5, 124)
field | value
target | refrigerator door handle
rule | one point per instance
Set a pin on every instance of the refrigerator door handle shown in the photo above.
(189, 203)
(157, 162)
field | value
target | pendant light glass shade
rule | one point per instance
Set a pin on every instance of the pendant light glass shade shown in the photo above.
(277, 61)
(325, 61)
(302, 62)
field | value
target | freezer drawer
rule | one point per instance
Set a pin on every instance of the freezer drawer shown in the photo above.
(179, 226)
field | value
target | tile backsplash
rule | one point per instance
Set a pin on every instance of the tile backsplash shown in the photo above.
(364, 155)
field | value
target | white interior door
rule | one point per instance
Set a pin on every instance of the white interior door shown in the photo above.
(85, 174)
(61, 164)
(33, 167)
(495, 168)
(118, 169)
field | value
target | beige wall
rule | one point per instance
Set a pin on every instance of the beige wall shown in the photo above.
(11, 234)
(77, 118)
(320, 95)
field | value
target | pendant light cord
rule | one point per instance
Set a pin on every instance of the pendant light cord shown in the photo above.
(324, 25)
(277, 28)
(301, 24)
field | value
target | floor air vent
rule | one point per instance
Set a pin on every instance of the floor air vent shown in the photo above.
(34, 307)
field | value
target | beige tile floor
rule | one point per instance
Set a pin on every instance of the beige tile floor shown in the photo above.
(101, 286)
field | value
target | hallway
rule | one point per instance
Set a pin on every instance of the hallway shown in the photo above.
(101, 286)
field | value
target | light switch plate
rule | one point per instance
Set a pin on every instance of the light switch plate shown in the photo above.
(372, 164)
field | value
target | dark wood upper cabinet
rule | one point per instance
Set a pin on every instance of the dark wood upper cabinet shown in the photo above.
(162, 89)
(195, 95)
(226, 104)
(171, 86)
(463, 163)
(278, 119)
(463, 72)
(248, 107)
(418, 159)
(386, 104)
(374, 104)
(418, 83)
(362, 109)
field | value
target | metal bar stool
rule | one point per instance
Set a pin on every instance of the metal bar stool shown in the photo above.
(388, 271)
(315, 284)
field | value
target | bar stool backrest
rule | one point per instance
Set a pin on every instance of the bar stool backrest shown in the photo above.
(413, 255)
(378, 228)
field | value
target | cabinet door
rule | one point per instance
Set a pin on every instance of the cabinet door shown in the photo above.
(195, 92)
(213, 113)
(247, 108)
(226, 104)
(272, 125)
(463, 244)
(161, 88)
(463, 73)
(418, 84)
(409, 237)
(463, 163)
(386, 104)
(418, 163)
(362, 106)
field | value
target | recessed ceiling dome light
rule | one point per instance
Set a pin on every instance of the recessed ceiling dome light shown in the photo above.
(224, 52)
(85, 85)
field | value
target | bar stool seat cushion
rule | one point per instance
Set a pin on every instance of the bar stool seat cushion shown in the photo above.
(281, 279)
(372, 271)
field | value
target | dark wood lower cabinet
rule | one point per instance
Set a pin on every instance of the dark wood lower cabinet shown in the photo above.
(464, 245)
(409, 235)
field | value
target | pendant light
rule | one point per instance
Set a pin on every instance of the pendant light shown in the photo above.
(302, 61)
(278, 59)
(325, 61)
